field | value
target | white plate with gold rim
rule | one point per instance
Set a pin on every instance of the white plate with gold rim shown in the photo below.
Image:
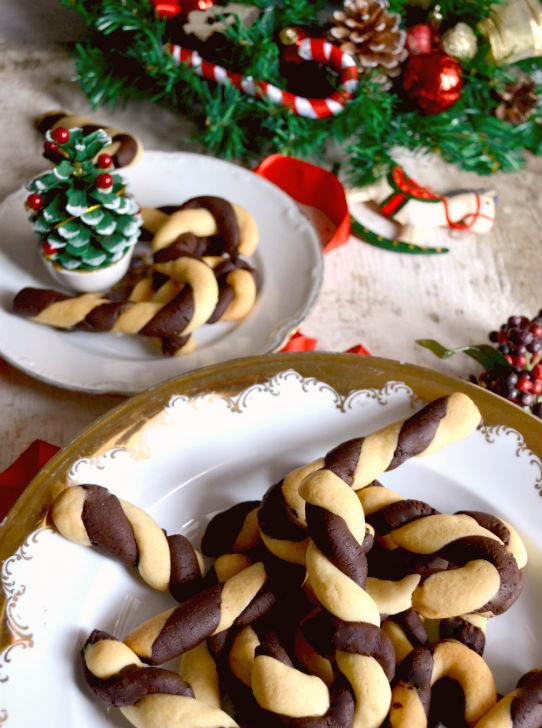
(207, 440)
(289, 261)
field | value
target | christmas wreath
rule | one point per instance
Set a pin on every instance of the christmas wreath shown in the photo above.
(307, 78)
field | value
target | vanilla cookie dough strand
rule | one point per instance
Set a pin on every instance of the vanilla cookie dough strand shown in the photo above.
(92, 516)
(244, 597)
(522, 708)
(423, 667)
(149, 697)
(126, 149)
(337, 573)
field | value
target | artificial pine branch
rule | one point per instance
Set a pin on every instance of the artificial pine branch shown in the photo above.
(123, 58)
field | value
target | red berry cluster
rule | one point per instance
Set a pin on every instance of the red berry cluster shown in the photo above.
(520, 342)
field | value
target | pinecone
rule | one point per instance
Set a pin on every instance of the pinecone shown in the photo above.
(518, 100)
(368, 32)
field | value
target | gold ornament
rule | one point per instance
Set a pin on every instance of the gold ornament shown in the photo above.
(460, 42)
(288, 36)
(514, 30)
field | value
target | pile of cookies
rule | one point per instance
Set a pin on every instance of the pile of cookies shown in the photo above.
(198, 275)
(332, 603)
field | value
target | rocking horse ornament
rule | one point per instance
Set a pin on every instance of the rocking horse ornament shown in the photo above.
(416, 209)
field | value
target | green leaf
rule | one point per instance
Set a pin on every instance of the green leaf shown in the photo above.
(486, 355)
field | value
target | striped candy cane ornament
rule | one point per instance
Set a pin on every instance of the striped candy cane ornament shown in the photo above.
(309, 49)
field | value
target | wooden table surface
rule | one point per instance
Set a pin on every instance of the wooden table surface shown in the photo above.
(382, 300)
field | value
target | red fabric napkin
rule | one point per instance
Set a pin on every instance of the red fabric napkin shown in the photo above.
(15, 478)
(313, 186)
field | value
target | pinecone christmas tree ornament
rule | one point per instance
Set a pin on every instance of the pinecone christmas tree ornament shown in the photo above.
(367, 31)
(518, 100)
(86, 224)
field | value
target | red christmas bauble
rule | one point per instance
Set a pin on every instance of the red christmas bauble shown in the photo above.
(433, 80)
(47, 248)
(50, 147)
(34, 202)
(188, 5)
(166, 9)
(420, 39)
(60, 135)
(104, 161)
(104, 181)
(171, 8)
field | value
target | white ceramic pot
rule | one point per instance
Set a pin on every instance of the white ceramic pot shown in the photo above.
(89, 281)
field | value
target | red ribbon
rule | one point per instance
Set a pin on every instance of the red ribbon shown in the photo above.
(313, 186)
(16, 477)
(298, 342)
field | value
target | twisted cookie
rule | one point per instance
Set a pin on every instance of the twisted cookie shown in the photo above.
(148, 697)
(424, 667)
(244, 597)
(464, 566)
(202, 217)
(359, 461)
(125, 149)
(92, 516)
(337, 572)
(522, 708)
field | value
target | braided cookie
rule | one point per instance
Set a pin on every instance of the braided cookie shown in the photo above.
(92, 516)
(337, 572)
(359, 461)
(204, 217)
(240, 600)
(423, 668)
(148, 697)
(126, 149)
(464, 566)
(522, 708)
(237, 289)
(191, 307)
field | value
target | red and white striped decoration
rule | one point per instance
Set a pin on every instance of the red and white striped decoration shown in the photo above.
(310, 49)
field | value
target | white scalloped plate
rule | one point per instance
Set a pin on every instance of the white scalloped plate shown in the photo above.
(288, 258)
(198, 445)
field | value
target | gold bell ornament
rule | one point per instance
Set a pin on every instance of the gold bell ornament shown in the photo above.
(514, 30)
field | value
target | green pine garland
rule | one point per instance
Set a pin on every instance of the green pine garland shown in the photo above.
(81, 226)
(122, 57)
